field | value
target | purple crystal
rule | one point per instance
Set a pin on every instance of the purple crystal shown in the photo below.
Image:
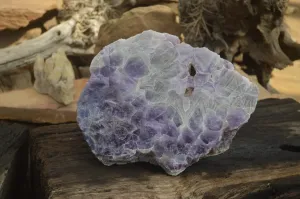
(136, 67)
(142, 102)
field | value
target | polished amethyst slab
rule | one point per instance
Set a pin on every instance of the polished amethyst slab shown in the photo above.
(151, 98)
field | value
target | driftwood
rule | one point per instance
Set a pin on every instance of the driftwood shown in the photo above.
(76, 34)
(13, 160)
(122, 6)
(262, 163)
(253, 28)
(25, 53)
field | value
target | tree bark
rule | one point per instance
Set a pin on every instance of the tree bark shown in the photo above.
(254, 28)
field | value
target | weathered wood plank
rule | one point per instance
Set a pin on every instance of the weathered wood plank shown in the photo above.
(13, 159)
(254, 167)
(284, 188)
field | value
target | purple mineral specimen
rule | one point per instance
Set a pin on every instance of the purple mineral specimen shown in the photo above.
(152, 98)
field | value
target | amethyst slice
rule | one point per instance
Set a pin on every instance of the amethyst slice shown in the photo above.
(151, 98)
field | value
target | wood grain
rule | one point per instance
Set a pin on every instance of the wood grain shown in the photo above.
(25, 53)
(13, 159)
(254, 167)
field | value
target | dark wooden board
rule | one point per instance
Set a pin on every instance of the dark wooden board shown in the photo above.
(259, 164)
(13, 159)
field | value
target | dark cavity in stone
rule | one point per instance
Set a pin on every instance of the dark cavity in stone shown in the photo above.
(189, 91)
